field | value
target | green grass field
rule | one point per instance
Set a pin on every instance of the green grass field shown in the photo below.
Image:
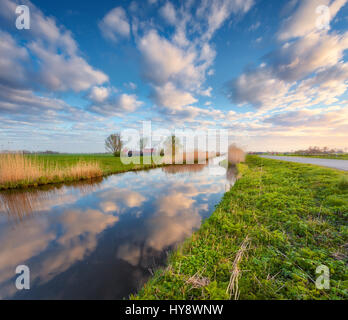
(108, 165)
(265, 239)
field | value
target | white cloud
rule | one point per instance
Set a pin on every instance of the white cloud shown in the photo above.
(218, 11)
(176, 67)
(128, 102)
(166, 62)
(172, 71)
(310, 118)
(296, 89)
(115, 24)
(130, 85)
(258, 87)
(99, 94)
(168, 13)
(26, 102)
(53, 52)
(176, 74)
(206, 92)
(64, 73)
(123, 103)
(305, 72)
(255, 26)
(314, 51)
(44, 57)
(12, 57)
(171, 97)
(304, 19)
(42, 27)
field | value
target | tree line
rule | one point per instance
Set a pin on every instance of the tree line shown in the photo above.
(114, 144)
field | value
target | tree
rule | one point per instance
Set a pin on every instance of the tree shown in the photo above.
(172, 143)
(113, 144)
(142, 144)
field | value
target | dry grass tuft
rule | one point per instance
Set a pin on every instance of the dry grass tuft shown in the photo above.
(17, 167)
(235, 155)
(198, 282)
(232, 288)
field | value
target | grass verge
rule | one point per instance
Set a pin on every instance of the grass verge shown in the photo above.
(265, 239)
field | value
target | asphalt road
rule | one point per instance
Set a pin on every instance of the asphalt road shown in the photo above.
(330, 163)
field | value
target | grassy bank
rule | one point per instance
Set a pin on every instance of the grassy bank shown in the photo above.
(18, 171)
(265, 239)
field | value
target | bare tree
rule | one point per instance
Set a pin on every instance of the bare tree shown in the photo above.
(142, 143)
(172, 143)
(113, 144)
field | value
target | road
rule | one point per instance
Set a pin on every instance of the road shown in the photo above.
(330, 163)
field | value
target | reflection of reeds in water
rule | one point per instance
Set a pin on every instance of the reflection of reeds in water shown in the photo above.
(231, 177)
(183, 168)
(16, 167)
(18, 204)
(200, 157)
(87, 186)
(231, 174)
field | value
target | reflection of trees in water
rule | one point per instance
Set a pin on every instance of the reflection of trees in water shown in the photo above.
(183, 168)
(18, 204)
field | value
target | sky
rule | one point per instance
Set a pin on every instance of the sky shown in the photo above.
(272, 73)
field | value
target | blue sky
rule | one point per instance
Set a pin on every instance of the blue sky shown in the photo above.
(273, 73)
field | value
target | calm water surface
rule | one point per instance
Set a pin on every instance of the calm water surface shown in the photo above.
(103, 239)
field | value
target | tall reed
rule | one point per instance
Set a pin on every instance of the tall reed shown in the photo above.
(235, 155)
(18, 168)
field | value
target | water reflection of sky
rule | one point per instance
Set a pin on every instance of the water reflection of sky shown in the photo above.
(101, 240)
